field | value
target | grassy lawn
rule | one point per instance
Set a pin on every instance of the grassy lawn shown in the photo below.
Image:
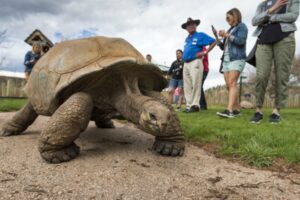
(258, 145)
(7, 105)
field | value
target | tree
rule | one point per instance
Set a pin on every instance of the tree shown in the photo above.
(295, 72)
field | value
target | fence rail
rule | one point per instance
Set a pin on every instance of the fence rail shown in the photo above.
(220, 97)
(12, 87)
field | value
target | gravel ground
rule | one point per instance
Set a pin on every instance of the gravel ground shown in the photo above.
(118, 164)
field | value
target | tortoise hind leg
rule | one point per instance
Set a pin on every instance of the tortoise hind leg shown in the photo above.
(70, 119)
(20, 121)
(101, 119)
(171, 142)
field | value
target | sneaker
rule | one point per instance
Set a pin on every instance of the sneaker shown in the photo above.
(257, 118)
(226, 113)
(237, 113)
(193, 109)
(187, 109)
(274, 119)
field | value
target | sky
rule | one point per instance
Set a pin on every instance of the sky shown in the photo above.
(152, 26)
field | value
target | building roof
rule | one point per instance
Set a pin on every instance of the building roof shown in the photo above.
(12, 74)
(37, 35)
(163, 67)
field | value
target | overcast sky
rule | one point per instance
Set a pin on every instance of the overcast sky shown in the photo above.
(152, 26)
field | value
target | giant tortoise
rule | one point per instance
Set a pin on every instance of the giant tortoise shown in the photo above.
(90, 79)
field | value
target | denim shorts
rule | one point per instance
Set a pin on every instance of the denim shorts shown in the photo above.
(237, 65)
(176, 83)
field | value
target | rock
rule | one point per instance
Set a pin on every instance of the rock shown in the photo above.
(247, 105)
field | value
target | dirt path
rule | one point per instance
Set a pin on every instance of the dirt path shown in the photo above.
(117, 164)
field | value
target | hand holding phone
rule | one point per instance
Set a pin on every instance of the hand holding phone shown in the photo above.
(216, 35)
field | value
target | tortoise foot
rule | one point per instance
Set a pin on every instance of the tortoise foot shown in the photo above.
(61, 155)
(168, 148)
(105, 124)
(4, 132)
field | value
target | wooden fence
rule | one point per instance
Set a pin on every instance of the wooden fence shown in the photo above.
(220, 97)
(11, 87)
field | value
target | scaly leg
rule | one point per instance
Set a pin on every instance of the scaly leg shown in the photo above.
(20, 121)
(171, 141)
(70, 119)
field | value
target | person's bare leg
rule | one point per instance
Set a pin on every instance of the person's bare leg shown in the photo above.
(20, 121)
(276, 111)
(226, 78)
(69, 120)
(180, 100)
(171, 95)
(232, 83)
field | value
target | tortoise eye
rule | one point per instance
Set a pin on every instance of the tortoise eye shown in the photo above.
(152, 116)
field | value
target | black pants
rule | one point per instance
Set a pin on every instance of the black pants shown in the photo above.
(203, 104)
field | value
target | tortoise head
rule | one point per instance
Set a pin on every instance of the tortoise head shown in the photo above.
(154, 117)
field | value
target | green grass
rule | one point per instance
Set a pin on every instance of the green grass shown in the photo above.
(257, 145)
(7, 105)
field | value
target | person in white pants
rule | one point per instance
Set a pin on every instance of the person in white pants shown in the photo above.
(193, 65)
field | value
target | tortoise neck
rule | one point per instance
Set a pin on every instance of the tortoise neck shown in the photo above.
(131, 105)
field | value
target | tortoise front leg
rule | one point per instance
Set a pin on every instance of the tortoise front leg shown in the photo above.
(171, 141)
(70, 119)
(20, 121)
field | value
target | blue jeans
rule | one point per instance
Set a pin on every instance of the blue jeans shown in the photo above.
(176, 83)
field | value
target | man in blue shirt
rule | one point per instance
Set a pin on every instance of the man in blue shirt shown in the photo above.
(193, 65)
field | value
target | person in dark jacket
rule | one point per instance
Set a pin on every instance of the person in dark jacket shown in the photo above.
(234, 58)
(31, 58)
(177, 78)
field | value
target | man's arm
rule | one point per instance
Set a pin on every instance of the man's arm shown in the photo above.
(207, 40)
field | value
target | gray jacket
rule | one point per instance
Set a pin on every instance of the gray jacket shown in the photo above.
(286, 20)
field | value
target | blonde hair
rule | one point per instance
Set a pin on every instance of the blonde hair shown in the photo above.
(236, 13)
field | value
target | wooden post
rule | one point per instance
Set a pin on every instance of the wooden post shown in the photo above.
(3, 88)
(10, 87)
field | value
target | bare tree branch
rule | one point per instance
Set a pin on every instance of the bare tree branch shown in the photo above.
(3, 39)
